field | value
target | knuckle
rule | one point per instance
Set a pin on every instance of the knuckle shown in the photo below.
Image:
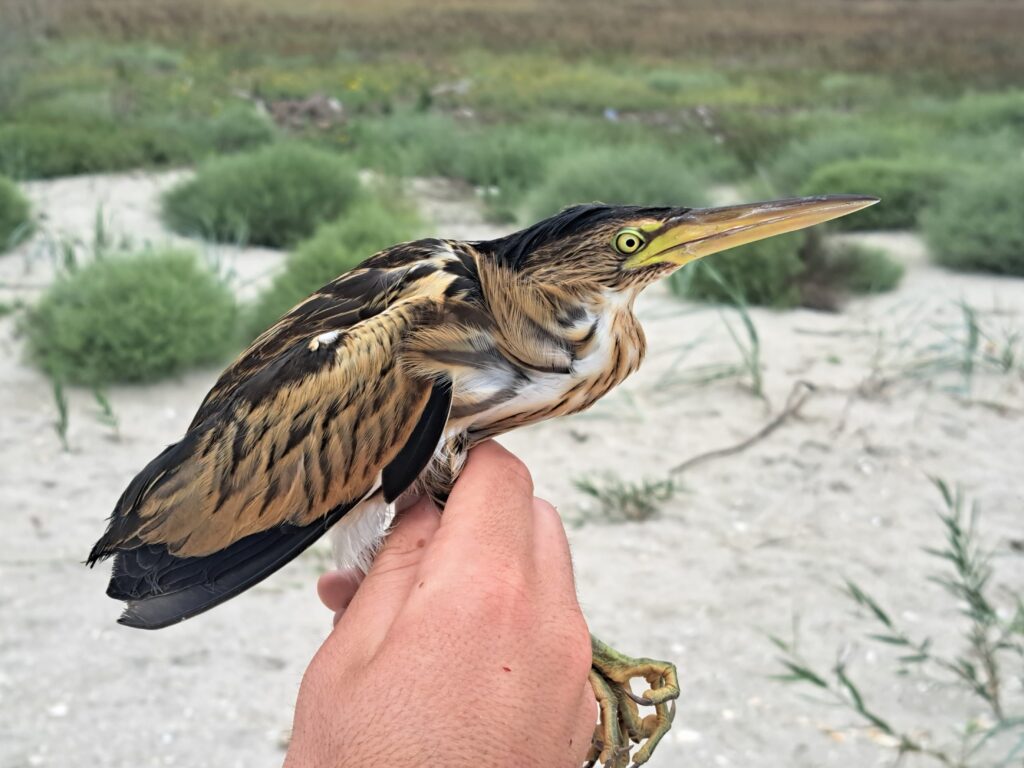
(517, 473)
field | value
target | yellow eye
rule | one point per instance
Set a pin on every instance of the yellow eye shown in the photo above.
(629, 241)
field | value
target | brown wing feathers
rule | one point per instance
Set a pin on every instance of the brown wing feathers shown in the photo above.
(293, 435)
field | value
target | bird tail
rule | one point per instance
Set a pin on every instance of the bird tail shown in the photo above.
(161, 589)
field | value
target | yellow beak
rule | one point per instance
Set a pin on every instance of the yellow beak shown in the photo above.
(703, 231)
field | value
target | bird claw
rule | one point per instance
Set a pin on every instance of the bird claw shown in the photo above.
(620, 723)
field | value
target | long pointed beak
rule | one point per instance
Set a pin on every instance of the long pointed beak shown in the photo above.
(703, 231)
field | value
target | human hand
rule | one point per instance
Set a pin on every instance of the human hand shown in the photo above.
(464, 645)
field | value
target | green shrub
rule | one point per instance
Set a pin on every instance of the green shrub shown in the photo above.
(978, 225)
(15, 223)
(628, 175)
(335, 248)
(273, 196)
(128, 318)
(860, 268)
(905, 186)
(766, 272)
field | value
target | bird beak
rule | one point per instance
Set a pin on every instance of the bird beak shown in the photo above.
(702, 231)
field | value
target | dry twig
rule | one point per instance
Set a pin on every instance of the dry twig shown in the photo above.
(798, 395)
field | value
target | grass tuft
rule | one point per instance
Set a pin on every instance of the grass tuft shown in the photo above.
(622, 501)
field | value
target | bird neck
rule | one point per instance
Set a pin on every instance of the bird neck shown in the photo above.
(554, 327)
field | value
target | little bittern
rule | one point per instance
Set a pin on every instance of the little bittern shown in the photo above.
(373, 389)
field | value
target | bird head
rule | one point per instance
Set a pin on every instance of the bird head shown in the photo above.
(629, 247)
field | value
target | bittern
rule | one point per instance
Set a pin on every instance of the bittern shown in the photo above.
(372, 390)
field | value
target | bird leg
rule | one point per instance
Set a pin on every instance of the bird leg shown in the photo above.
(620, 722)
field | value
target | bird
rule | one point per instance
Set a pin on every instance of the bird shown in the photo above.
(372, 390)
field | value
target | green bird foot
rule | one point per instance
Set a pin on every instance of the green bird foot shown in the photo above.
(620, 724)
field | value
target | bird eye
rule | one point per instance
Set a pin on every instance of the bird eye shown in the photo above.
(629, 241)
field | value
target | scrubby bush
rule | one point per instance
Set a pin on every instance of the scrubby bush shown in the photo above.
(860, 268)
(628, 175)
(14, 215)
(128, 318)
(273, 196)
(978, 225)
(335, 248)
(905, 186)
(766, 272)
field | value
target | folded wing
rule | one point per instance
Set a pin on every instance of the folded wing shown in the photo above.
(298, 431)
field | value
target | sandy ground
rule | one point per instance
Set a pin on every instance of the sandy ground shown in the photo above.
(748, 545)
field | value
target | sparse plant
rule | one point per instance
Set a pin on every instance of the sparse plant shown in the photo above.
(979, 224)
(15, 219)
(273, 196)
(621, 501)
(131, 317)
(105, 412)
(748, 369)
(991, 655)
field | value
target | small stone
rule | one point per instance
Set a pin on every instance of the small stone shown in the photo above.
(686, 736)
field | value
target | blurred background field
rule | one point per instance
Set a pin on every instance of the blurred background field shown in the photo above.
(174, 175)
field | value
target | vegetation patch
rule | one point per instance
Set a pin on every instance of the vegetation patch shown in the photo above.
(335, 248)
(273, 196)
(905, 186)
(131, 318)
(978, 225)
(15, 221)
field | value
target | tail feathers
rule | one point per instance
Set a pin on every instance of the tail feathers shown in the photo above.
(161, 589)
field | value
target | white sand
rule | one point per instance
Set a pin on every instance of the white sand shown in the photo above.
(750, 543)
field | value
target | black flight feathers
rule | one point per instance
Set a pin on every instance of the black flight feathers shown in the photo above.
(161, 589)
(514, 250)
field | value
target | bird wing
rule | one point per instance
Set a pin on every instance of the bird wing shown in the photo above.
(315, 416)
